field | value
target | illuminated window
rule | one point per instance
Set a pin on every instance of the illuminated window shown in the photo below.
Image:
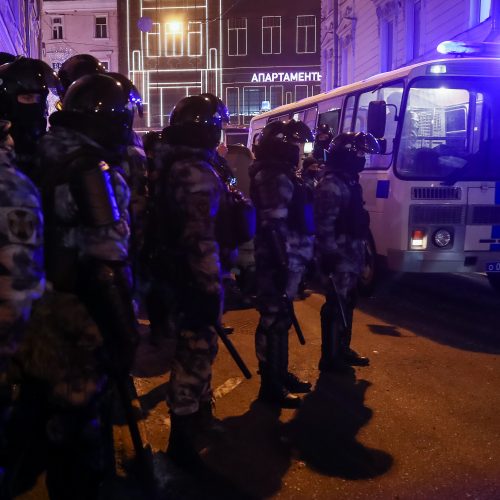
(271, 35)
(153, 41)
(195, 41)
(252, 101)
(237, 36)
(174, 39)
(57, 28)
(101, 27)
(306, 34)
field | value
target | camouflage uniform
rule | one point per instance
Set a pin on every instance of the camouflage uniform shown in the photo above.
(22, 283)
(67, 356)
(343, 254)
(135, 170)
(186, 268)
(21, 253)
(272, 185)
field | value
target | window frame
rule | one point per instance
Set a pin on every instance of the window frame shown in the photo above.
(237, 29)
(106, 26)
(271, 30)
(173, 36)
(59, 25)
(191, 33)
(306, 26)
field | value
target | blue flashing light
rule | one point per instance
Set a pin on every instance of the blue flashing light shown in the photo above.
(452, 47)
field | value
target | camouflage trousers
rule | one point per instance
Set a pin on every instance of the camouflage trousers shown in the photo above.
(345, 281)
(191, 374)
(273, 309)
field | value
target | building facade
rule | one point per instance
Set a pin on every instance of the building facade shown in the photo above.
(20, 27)
(271, 55)
(172, 49)
(72, 27)
(364, 37)
(252, 61)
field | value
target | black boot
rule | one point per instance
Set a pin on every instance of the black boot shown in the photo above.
(181, 444)
(294, 384)
(210, 424)
(273, 372)
(330, 358)
(350, 356)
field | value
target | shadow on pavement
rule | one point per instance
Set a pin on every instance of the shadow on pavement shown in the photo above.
(452, 309)
(252, 454)
(323, 431)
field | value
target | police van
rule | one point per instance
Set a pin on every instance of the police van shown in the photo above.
(433, 192)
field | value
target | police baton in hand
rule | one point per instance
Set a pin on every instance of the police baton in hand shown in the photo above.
(232, 350)
(295, 321)
(339, 299)
(281, 257)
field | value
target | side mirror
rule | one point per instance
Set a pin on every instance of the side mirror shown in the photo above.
(376, 118)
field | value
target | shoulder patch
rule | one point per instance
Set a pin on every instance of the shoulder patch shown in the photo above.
(21, 225)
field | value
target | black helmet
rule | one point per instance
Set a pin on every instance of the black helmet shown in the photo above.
(219, 105)
(297, 131)
(98, 106)
(272, 133)
(344, 149)
(131, 91)
(5, 57)
(77, 66)
(196, 121)
(29, 118)
(354, 142)
(279, 140)
(285, 132)
(323, 128)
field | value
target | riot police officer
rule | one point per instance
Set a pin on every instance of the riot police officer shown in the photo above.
(24, 88)
(77, 66)
(86, 243)
(25, 85)
(322, 141)
(342, 225)
(23, 282)
(283, 246)
(185, 264)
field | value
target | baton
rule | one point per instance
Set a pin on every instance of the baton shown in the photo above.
(232, 350)
(142, 453)
(295, 321)
(339, 300)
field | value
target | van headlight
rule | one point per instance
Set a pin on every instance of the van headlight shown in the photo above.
(442, 238)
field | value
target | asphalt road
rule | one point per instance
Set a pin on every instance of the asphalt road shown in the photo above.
(421, 422)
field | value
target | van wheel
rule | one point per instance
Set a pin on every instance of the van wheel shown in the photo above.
(370, 272)
(494, 279)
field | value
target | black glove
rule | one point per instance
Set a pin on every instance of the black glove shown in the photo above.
(328, 263)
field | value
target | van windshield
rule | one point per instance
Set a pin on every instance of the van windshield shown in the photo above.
(451, 130)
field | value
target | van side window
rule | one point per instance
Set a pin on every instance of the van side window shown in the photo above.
(392, 95)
